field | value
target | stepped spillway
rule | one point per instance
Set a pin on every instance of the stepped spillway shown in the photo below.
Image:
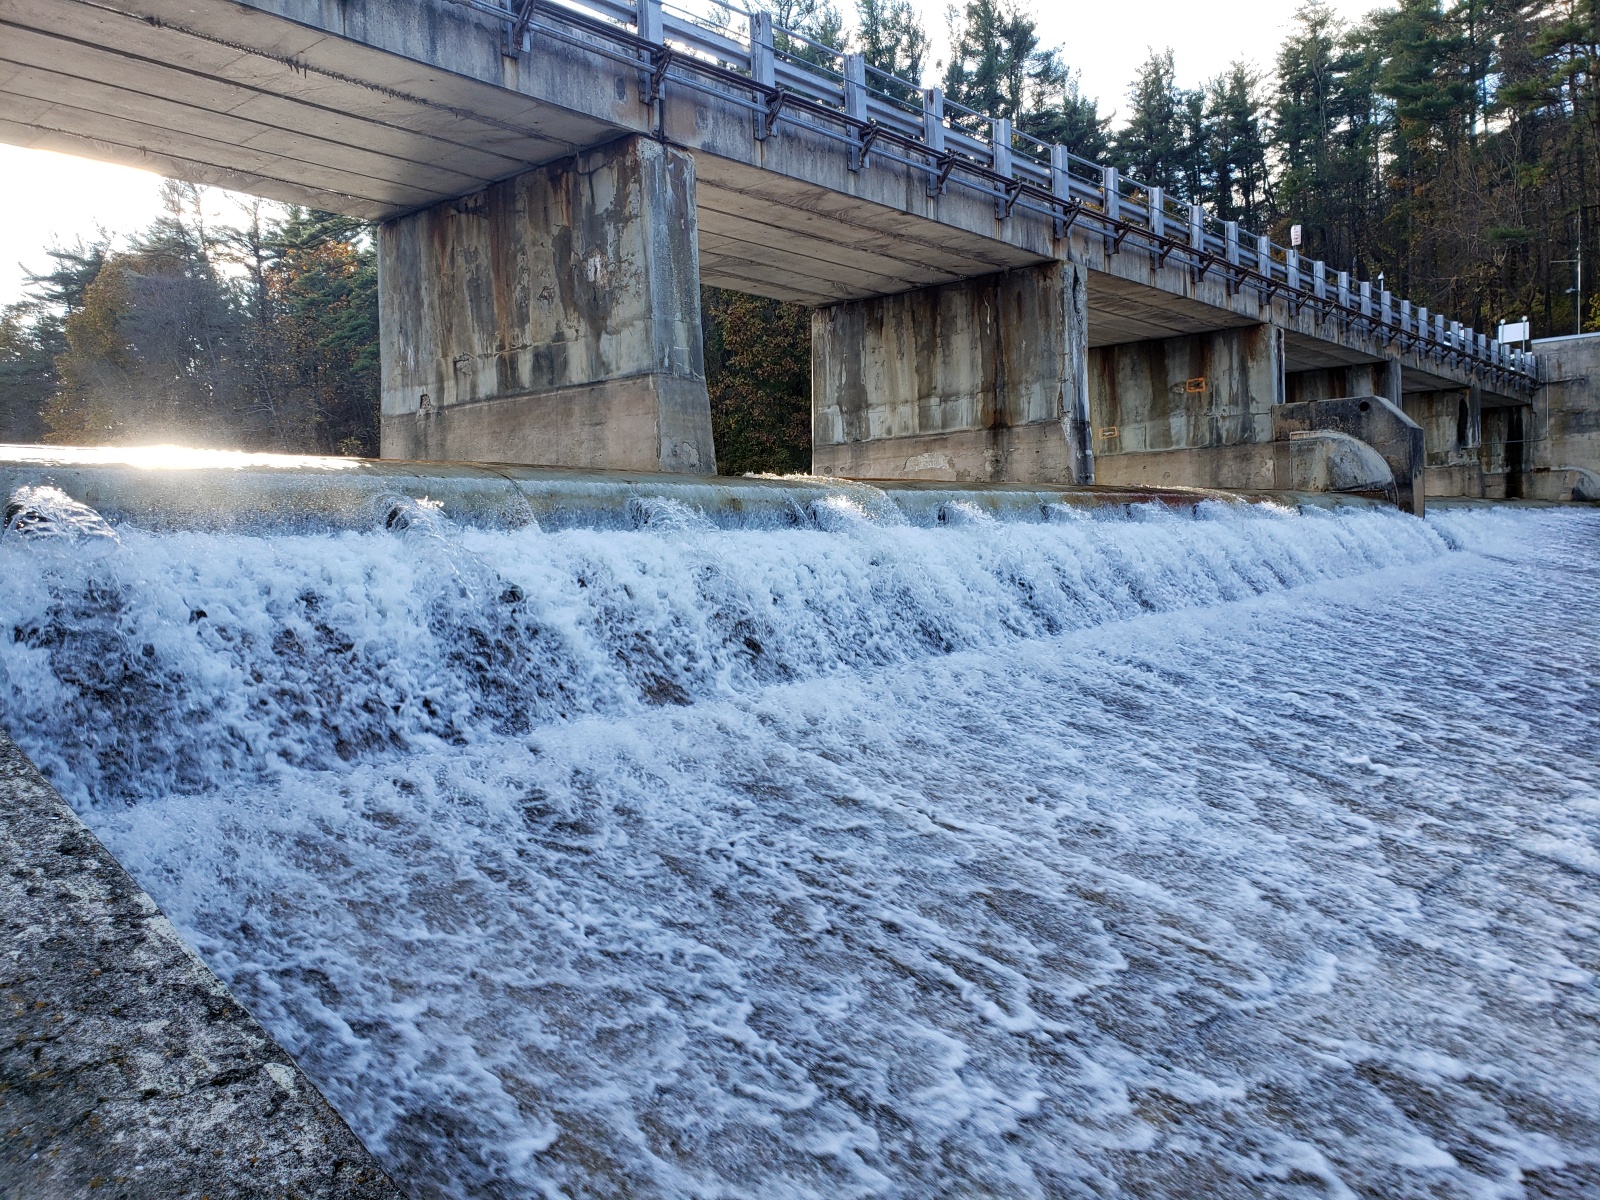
(883, 851)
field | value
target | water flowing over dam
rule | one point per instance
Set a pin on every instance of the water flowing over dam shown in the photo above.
(884, 850)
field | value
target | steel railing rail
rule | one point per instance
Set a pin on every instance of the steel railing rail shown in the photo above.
(745, 59)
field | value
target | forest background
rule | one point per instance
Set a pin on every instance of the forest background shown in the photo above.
(1450, 148)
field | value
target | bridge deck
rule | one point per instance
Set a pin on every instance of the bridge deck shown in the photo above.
(375, 108)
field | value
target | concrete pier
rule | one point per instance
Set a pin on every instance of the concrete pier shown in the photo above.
(978, 381)
(1175, 411)
(551, 319)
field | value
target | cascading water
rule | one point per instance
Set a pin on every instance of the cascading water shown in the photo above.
(1229, 852)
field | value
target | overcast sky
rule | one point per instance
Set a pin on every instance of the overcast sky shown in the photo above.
(47, 197)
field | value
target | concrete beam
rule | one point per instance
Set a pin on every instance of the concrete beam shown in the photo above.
(552, 319)
(977, 381)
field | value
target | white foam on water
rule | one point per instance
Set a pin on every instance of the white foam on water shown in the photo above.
(1244, 853)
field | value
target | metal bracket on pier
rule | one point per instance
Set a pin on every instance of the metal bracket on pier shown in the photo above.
(660, 61)
(1004, 204)
(775, 105)
(519, 34)
(868, 139)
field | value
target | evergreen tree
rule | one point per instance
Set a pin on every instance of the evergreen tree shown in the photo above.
(1326, 136)
(1162, 142)
(1235, 186)
(892, 40)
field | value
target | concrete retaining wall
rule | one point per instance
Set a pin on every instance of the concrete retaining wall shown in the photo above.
(127, 1070)
(1319, 461)
(1374, 421)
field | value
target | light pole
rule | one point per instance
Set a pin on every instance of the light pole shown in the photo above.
(1576, 291)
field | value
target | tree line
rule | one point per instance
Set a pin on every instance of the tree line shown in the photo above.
(1450, 147)
(261, 336)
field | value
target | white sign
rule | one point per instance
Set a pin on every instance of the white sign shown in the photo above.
(1296, 235)
(1520, 332)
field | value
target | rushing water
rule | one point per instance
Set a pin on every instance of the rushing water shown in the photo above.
(1236, 853)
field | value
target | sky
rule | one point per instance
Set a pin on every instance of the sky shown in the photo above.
(47, 197)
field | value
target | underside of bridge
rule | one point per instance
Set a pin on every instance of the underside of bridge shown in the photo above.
(546, 230)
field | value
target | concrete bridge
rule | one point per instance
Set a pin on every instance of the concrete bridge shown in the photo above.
(555, 181)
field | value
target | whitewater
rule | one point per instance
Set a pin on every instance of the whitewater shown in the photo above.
(1231, 851)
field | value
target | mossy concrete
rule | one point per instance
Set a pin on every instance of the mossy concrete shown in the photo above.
(126, 1068)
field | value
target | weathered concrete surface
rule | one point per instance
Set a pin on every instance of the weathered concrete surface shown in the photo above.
(1306, 462)
(225, 492)
(1361, 379)
(126, 1069)
(982, 380)
(1376, 422)
(1184, 393)
(1565, 442)
(551, 319)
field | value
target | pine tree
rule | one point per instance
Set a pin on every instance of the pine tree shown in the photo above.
(891, 38)
(1157, 145)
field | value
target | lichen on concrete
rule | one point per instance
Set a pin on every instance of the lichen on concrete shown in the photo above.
(126, 1068)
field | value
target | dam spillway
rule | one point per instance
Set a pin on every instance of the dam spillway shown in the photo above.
(1075, 849)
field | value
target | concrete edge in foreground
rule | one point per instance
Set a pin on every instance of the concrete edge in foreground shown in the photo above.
(126, 1068)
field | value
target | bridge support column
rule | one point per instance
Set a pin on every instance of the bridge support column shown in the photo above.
(981, 380)
(1334, 383)
(551, 319)
(1191, 411)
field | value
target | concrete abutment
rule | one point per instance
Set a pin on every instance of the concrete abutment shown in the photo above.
(551, 319)
(982, 380)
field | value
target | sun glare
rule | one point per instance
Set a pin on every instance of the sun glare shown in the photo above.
(168, 458)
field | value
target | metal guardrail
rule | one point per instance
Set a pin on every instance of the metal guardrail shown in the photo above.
(783, 76)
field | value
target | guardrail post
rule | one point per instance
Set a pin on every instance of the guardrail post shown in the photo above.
(1000, 160)
(647, 20)
(1157, 202)
(1456, 339)
(763, 66)
(763, 61)
(1230, 232)
(1366, 297)
(1344, 289)
(933, 136)
(1386, 307)
(1291, 269)
(1197, 230)
(855, 104)
(647, 23)
(1405, 316)
(1111, 201)
(1061, 183)
(1264, 256)
(1319, 280)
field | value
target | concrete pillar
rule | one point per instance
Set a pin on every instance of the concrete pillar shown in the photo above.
(1180, 397)
(981, 380)
(551, 319)
(1334, 383)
